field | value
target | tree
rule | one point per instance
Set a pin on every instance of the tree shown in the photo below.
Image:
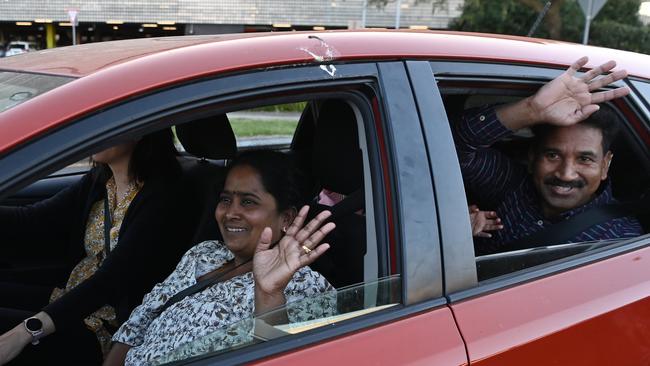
(617, 25)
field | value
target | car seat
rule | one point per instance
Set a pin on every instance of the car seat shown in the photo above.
(338, 167)
(211, 143)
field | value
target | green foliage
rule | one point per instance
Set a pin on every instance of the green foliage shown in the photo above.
(621, 11)
(608, 33)
(502, 16)
(616, 26)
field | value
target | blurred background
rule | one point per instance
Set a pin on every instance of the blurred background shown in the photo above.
(27, 25)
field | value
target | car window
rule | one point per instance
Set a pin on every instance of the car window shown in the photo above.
(295, 318)
(364, 248)
(266, 126)
(319, 134)
(526, 240)
(644, 88)
(16, 88)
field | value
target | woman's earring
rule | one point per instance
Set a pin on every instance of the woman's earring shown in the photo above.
(284, 229)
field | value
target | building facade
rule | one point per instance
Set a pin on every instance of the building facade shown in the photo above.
(48, 24)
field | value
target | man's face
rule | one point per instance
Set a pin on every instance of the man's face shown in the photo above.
(568, 167)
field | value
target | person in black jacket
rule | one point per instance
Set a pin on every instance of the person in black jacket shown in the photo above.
(109, 270)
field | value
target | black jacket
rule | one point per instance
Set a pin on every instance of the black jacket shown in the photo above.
(156, 231)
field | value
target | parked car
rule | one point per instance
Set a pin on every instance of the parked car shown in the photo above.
(18, 47)
(376, 125)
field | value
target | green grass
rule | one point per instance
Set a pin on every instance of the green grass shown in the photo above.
(290, 107)
(248, 128)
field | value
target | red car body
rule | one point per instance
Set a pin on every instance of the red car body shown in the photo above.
(593, 311)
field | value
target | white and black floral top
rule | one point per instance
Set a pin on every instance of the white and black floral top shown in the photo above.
(153, 334)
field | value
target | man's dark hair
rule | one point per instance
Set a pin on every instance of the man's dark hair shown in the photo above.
(604, 120)
(279, 175)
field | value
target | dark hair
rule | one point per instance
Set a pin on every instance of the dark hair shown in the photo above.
(279, 175)
(604, 120)
(154, 155)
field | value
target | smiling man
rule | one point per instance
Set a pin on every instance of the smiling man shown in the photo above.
(568, 162)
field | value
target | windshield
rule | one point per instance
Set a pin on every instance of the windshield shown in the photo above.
(17, 46)
(16, 87)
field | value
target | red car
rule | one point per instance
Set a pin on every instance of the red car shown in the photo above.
(411, 289)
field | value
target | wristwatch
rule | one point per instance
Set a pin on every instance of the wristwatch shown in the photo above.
(35, 327)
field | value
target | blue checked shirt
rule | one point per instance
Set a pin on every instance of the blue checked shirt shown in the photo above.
(506, 187)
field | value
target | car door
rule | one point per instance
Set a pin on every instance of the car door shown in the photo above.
(417, 326)
(584, 309)
(423, 331)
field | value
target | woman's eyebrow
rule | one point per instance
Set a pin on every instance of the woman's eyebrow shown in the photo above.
(249, 194)
(240, 193)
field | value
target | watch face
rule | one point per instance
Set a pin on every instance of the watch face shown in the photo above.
(33, 325)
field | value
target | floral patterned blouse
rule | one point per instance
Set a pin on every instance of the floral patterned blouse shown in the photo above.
(95, 254)
(153, 334)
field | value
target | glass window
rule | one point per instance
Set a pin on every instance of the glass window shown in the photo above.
(16, 87)
(644, 88)
(266, 126)
(297, 317)
(502, 175)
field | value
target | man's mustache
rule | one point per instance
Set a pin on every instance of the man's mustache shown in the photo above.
(554, 181)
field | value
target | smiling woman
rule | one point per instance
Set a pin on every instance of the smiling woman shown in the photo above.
(261, 264)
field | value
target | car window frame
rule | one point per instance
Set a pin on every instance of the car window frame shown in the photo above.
(144, 113)
(641, 96)
(500, 72)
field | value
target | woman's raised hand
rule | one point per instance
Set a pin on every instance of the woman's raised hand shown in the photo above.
(274, 266)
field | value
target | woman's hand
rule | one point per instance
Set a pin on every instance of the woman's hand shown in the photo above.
(273, 267)
(483, 221)
(117, 355)
(13, 342)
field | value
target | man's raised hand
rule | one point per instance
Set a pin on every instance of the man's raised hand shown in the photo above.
(567, 99)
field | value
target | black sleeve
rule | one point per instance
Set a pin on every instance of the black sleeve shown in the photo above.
(488, 173)
(46, 224)
(154, 235)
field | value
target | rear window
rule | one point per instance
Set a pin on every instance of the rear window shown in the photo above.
(16, 87)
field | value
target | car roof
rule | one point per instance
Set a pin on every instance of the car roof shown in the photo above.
(86, 59)
(147, 63)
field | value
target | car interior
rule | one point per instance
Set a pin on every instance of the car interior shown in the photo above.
(629, 173)
(326, 140)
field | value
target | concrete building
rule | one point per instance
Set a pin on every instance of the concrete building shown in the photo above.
(48, 24)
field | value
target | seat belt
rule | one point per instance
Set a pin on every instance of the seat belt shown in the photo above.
(563, 231)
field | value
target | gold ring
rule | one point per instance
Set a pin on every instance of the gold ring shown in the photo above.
(307, 250)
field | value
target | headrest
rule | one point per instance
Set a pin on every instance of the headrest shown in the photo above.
(337, 157)
(210, 138)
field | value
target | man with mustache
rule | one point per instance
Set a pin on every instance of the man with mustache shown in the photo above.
(568, 162)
